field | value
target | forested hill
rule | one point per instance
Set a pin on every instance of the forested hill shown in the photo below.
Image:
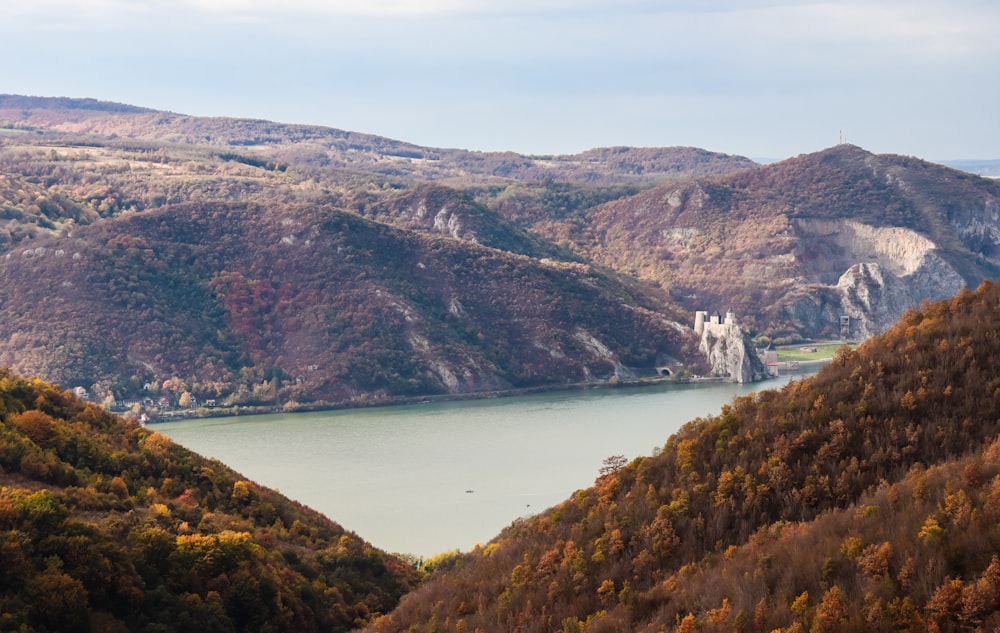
(105, 526)
(464, 271)
(797, 244)
(283, 304)
(865, 498)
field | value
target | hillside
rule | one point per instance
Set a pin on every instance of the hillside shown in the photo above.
(864, 498)
(74, 161)
(441, 210)
(105, 526)
(327, 148)
(638, 238)
(795, 245)
(806, 241)
(144, 226)
(286, 304)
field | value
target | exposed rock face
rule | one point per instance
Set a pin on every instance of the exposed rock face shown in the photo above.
(880, 298)
(883, 272)
(730, 353)
(978, 228)
(797, 245)
(899, 251)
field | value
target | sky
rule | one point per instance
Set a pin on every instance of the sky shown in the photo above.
(760, 78)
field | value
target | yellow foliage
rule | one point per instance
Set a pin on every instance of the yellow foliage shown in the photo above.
(800, 606)
(931, 530)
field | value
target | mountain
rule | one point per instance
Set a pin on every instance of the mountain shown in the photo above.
(795, 246)
(835, 244)
(154, 256)
(864, 498)
(268, 305)
(105, 526)
(327, 148)
(148, 254)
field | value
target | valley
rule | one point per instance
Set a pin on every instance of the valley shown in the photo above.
(259, 264)
(153, 257)
(461, 471)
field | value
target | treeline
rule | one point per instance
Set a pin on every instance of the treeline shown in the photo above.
(105, 526)
(865, 498)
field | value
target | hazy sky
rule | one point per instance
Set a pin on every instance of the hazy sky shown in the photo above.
(761, 78)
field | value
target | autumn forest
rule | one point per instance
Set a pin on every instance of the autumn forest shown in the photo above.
(154, 263)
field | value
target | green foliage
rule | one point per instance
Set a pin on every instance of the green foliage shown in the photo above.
(806, 353)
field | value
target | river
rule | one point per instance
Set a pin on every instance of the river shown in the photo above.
(428, 478)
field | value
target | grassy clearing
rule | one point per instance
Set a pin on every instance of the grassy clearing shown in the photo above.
(804, 352)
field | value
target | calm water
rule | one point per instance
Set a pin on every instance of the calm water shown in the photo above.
(428, 478)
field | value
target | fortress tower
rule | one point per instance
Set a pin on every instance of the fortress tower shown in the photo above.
(712, 322)
(699, 321)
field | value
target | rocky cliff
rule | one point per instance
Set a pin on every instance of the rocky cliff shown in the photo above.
(797, 245)
(881, 273)
(730, 353)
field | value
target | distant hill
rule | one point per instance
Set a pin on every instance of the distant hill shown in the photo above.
(795, 245)
(327, 148)
(440, 210)
(154, 257)
(105, 526)
(139, 233)
(834, 244)
(863, 499)
(303, 303)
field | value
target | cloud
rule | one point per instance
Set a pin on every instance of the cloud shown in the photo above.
(586, 71)
(953, 28)
(330, 7)
(933, 31)
(402, 8)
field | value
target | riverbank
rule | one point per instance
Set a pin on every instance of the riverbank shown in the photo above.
(246, 410)
(401, 475)
(239, 410)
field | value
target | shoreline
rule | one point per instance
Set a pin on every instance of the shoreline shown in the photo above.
(240, 410)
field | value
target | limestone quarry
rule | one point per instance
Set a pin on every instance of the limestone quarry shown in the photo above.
(872, 276)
